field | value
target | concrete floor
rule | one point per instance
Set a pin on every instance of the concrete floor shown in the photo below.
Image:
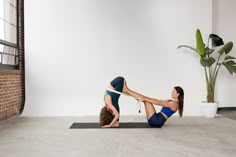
(231, 114)
(50, 137)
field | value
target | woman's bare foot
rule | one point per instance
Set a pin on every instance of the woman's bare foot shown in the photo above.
(125, 88)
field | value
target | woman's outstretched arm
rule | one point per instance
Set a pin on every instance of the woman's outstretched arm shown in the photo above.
(114, 112)
(141, 97)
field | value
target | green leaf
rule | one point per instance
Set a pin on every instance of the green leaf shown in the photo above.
(200, 45)
(186, 46)
(231, 63)
(229, 57)
(230, 67)
(209, 51)
(226, 48)
(207, 62)
(233, 69)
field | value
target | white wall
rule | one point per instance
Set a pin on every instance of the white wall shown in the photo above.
(224, 24)
(75, 48)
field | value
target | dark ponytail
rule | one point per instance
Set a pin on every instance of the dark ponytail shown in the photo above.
(180, 91)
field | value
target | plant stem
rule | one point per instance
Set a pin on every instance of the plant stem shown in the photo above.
(214, 73)
(207, 84)
(209, 79)
(213, 79)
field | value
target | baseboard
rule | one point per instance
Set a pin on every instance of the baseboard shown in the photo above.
(226, 108)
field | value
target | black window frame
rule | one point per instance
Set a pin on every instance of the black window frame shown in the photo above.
(12, 45)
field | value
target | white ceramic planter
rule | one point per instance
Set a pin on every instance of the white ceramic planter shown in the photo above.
(209, 109)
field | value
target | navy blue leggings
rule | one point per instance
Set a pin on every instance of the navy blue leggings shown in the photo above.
(118, 83)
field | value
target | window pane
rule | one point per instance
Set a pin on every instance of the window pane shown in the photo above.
(12, 2)
(8, 55)
(17, 60)
(10, 33)
(9, 50)
(1, 9)
(1, 48)
(8, 21)
(8, 59)
(9, 13)
(1, 29)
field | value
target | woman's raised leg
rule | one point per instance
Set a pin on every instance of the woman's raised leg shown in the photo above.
(149, 108)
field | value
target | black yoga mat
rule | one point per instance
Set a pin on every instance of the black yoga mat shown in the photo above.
(122, 125)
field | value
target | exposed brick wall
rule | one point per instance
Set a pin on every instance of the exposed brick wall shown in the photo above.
(12, 85)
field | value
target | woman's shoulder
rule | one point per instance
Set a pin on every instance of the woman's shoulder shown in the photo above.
(171, 100)
(174, 105)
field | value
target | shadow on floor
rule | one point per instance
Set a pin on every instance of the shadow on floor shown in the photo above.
(231, 114)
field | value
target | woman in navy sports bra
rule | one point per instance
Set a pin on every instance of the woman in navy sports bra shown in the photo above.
(109, 115)
(169, 107)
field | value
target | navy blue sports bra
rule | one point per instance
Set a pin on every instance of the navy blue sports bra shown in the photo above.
(167, 111)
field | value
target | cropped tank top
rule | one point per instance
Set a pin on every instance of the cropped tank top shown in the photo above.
(118, 84)
(114, 99)
(167, 111)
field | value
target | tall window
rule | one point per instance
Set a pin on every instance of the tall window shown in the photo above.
(8, 34)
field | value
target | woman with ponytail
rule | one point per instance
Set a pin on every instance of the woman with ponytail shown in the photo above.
(169, 107)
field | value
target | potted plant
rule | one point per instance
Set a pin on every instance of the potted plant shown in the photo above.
(211, 63)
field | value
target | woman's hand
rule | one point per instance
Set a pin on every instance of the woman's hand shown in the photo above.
(115, 125)
(142, 98)
(106, 126)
